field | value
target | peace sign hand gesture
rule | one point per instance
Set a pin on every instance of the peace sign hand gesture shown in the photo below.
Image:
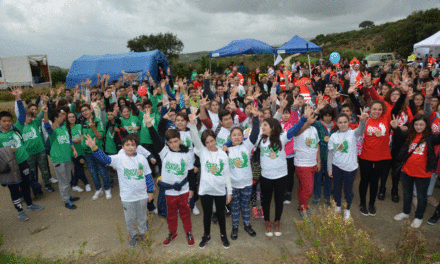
(395, 122)
(91, 143)
(192, 117)
(363, 116)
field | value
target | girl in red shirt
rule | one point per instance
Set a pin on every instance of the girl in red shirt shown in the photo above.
(418, 160)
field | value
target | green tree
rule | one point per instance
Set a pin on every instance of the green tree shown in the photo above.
(366, 24)
(168, 43)
(58, 76)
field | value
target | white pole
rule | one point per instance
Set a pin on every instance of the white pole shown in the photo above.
(310, 68)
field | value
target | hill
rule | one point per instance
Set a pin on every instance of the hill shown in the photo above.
(398, 36)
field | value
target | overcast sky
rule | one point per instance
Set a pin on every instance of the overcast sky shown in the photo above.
(65, 30)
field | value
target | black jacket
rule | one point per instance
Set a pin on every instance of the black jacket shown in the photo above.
(399, 138)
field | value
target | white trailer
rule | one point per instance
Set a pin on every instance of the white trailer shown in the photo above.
(30, 71)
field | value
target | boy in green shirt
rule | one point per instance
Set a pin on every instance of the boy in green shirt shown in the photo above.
(33, 140)
(61, 154)
(10, 137)
(94, 128)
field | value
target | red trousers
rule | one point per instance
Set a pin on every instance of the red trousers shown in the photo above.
(178, 204)
(305, 188)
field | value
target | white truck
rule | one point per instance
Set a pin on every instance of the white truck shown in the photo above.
(28, 71)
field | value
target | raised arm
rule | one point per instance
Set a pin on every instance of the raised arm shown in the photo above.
(193, 131)
(253, 137)
(98, 153)
(158, 143)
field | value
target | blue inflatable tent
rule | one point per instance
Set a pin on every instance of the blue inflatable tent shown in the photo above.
(243, 46)
(132, 62)
(298, 45)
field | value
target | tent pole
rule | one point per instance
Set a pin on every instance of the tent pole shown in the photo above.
(310, 68)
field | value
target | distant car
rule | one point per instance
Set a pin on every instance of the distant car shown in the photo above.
(375, 60)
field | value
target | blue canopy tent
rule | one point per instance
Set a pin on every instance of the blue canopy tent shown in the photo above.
(132, 62)
(240, 47)
(298, 45)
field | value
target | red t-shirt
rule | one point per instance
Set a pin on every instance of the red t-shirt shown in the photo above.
(377, 139)
(415, 166)
(303, 90)
(198, 85)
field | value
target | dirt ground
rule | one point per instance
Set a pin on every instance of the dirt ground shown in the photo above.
(93, 228)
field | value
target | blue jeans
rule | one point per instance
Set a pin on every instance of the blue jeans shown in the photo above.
(317, 183)
(78, 171)
(346, 178)
(97, 168)
(422, 193)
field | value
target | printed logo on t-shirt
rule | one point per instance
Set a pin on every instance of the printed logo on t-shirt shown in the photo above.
(222, 141)
(239, 162)
(419, 150)
(14, 141)
(377, 131)
(343, 147)
(30, 135)
(187, 142)
(63, 139)
(312, 142)
(435, 128)
(214, 168)
(175, 168)
(135, 174)
(268, 152)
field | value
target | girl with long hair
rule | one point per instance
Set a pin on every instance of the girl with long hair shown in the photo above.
(418, 160)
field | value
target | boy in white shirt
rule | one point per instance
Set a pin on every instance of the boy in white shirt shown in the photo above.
(136, 185)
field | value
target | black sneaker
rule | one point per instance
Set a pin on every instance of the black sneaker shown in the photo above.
(205, 240)
(364, 210)
(49, 188)
(74, 199)
(133, 241)
(434, 219)
(214, 218)
(70, 205)
(234, 233)
(381, 195)
(395, 196)
(372, 210)
(327, 201)
(225, 241)
(249, 230)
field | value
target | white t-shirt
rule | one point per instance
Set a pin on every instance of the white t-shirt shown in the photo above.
(214, 118)
(215, 176)
(240, 164)
(306, 148)
(273, 163)
(223, 136)
(131, 175)
(175, 167)
(185, 137)
(345, 155)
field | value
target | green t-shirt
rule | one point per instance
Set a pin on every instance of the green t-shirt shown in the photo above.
(32, 137)
(110, 145)
(86, 130)
(145, 134)
(129, 123)
(155, 100)
(76, 134)
(12, 139)
(61, 150)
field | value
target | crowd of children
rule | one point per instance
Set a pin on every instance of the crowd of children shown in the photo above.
(231, 144)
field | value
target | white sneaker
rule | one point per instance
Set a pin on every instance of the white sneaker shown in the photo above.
(416, 223)
(88, 189)
(108, 194)
(77, 189)
(287, 202)
(347, 215)
(53, 180)
(337, 209)
(97, 194)
(196, 210)
(400, 217)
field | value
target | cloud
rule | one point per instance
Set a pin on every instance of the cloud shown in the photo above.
(68, 29)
